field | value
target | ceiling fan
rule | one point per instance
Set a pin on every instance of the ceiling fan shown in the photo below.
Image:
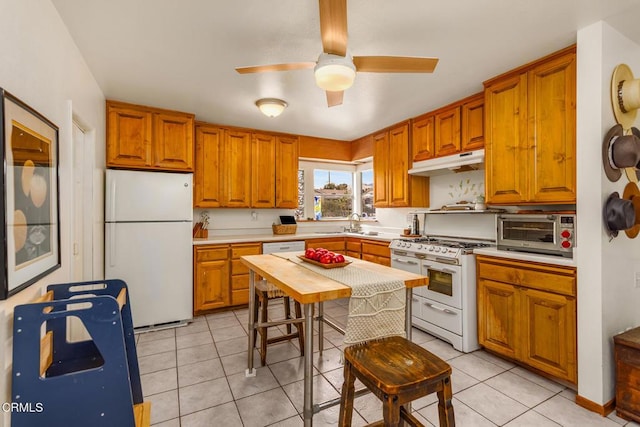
(335, 70)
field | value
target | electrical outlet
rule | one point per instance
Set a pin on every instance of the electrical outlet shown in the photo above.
(254, 216)
(638, 279)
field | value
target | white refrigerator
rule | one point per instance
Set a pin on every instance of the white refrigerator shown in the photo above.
(148, 243)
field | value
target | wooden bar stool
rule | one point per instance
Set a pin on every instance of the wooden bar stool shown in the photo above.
(264, 293)
(398, 372)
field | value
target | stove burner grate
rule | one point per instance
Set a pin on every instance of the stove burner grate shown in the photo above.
(448, 243)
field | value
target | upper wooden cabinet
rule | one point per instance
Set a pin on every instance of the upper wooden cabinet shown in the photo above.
(207, 187)
(380, 169)
(472, 128)
(236, 162)
(452, 129)
(240, 168)
(393, 186)
(263, 171)
(422, 135)
(531, 133)
(140, 137)
(287, 171)
(447, 132)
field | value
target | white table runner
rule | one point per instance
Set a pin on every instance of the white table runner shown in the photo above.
(376, 306)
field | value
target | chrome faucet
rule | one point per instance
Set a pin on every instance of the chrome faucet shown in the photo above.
(352, 227)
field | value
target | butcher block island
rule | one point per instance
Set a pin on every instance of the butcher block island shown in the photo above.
(287, 272)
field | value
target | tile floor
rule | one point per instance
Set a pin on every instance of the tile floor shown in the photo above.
(194, 377)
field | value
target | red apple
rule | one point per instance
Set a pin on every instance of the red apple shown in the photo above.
(326, 259)
(339, 258)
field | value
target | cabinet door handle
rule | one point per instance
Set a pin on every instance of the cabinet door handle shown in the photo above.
(503, 293)
(414, 299)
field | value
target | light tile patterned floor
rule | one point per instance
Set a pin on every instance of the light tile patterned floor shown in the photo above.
(194, 377)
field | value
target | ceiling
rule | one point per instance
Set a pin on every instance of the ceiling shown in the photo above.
(181, 55)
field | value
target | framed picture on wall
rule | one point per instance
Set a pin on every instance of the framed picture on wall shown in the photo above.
(30, 212)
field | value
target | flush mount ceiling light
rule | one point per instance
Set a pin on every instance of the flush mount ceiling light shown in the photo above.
(334, 73)
(271, 107)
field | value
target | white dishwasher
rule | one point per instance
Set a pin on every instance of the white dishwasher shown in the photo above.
(293, 246)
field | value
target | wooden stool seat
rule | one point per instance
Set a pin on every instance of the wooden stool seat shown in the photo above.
(397, 371)
(263, 295)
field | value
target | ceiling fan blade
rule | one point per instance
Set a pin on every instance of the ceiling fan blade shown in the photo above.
(333, 26)
(276, 67)
(334, 98)
(394, 64)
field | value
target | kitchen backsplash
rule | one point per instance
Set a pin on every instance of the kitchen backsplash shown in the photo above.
(455, 187)
(445, 189)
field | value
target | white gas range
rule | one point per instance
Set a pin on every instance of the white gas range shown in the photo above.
(447, 306)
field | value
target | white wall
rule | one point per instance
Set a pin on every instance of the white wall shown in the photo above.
(607, 298)
(42, 66)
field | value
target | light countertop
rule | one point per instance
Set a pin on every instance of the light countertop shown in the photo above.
(246, 238)
(524, 256)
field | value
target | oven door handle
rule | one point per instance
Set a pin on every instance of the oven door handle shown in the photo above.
(442, 270)
(402, 261)
(435, 307)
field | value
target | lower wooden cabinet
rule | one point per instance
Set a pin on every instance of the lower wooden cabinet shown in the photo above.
(369, 250)
(240, 272)
(353, 247)
(376, 251)
(527, 312)
(219, 277)
(498, 304)
(333, 244)
(210, 277)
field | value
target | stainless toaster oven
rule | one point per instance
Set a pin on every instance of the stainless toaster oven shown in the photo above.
(551, 234)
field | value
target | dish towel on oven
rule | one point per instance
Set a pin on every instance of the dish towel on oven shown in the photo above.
(376, 306)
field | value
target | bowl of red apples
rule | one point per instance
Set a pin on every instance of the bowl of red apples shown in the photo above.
(324, 258)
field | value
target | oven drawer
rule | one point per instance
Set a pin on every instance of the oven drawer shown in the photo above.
(442, 315)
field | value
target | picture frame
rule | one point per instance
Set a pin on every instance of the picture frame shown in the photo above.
(30, 202)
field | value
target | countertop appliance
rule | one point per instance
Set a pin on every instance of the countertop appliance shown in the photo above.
(542, 233)
(446, 307)
(148, 243)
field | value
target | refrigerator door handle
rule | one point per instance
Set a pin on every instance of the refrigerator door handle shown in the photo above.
(112, 248)
(112, 196)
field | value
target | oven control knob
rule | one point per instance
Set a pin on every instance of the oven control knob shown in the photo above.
(566, 244)
(430, 248)
(419, 247)
(565, 234)
(437, 249)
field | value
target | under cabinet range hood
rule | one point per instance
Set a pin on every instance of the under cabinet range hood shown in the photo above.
(461, 162)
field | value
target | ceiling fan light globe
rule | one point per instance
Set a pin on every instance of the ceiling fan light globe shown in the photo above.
(271, 107)
(334, 73)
